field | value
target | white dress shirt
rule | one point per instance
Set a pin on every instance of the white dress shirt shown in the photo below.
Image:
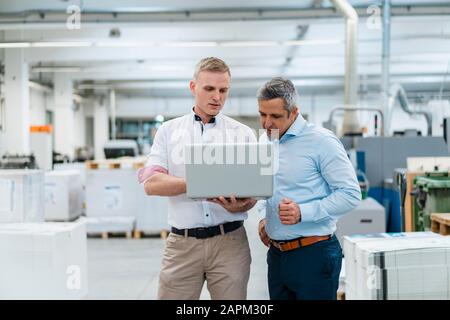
(168, 152)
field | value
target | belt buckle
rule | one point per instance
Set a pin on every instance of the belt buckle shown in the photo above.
(278, 244)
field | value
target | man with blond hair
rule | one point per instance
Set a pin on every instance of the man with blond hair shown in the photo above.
(208, 241)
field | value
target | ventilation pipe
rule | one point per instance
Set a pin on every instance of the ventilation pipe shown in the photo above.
(397, 92)
(351, 123)
(385, 62)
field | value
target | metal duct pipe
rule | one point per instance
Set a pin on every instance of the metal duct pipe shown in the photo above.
(386, 59)
(351, 123)
(397, 92)
(112, 102)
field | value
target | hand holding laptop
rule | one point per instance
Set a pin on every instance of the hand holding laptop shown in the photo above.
(233, 204)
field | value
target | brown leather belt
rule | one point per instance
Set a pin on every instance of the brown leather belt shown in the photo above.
(297, 243)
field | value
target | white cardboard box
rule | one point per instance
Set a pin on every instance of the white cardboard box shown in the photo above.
(63, 195)
(398, 266)
(21, 196)
(151, 217)
(81, 168)
(43, 260)
(112, 192)
(77, 166)
(117, 193)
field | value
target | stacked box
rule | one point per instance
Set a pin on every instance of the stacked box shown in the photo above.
(397, 266)
(81, 168)
(43, 260)
(342, 277)
(152, 216)
(63, 195)
(75, 166)
(21, 196)
(114, 194)
(112, 200)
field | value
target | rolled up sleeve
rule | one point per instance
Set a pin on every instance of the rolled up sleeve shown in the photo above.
(157, 160)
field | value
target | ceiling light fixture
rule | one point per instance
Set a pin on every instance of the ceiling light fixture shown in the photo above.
(249, 43)
(188, 44)
(14, 44)
(312, 42)
(55, 44)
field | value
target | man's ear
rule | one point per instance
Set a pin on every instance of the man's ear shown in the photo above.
(294, 112)
(192, 87)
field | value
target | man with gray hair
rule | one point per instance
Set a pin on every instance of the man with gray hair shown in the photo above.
(208, 241)
(314, 186)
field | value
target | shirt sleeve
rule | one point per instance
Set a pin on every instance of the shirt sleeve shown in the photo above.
(251, 137)
(158, 153)
(337, 170)
(261, 207)
(157, 160)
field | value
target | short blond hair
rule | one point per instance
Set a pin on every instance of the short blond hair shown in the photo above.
(211, 64)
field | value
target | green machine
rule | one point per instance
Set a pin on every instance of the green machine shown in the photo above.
(431, 194)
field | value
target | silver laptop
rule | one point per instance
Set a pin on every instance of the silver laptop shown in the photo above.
(240, 169)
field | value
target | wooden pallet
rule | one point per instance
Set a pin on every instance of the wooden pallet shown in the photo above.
(138, 234)
(107, 235)
(121, 163)
(440, 223)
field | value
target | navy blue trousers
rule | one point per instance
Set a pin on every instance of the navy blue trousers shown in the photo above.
(306, 273)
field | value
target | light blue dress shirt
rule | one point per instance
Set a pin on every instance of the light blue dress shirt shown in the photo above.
(315, 172)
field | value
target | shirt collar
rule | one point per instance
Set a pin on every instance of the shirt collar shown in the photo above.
(197, 117)
(296, 127)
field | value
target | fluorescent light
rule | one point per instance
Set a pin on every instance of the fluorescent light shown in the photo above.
(249, 43)
(14, 44)
(61, 44)
(312, 42)
(123, 44)
(56, 69)
(159, 44)
(188, 44)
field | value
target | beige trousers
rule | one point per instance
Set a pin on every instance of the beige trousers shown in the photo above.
(223, 261)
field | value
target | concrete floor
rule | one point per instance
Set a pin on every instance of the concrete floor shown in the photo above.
(120, 268)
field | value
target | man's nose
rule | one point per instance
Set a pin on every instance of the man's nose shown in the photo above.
(268, 123)
(216, 96)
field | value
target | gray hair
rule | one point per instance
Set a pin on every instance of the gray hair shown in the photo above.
(211, 64)
(279, 87)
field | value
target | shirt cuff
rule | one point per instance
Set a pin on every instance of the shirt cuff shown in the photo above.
(307, 211)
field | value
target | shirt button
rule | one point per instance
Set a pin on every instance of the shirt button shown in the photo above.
(207, 215)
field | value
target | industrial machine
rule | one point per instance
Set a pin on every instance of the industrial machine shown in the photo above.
(382, 155)
(121, 148)
(18, 161)
(369, 217)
